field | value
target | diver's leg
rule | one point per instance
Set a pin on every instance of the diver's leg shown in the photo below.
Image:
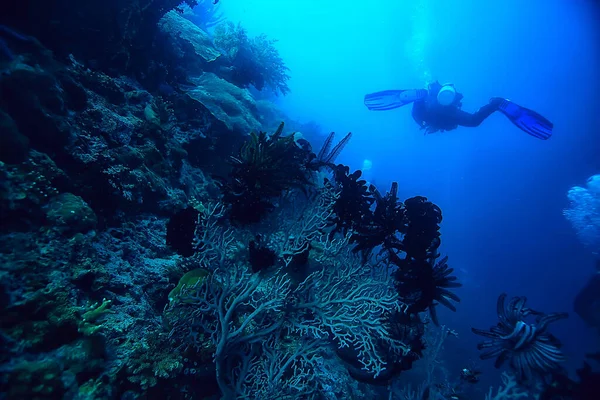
(472, 120)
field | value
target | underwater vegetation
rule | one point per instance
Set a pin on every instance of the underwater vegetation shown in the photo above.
(266, 166)
(252, 61)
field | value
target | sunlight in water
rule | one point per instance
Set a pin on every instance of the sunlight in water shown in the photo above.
(418, 43)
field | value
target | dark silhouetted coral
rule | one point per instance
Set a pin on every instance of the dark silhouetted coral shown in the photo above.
(354, 201)
(422, 284)
(265, 167)
(422, 234)
(383, 225)
(587, 386)
(181, 231)
(326, 156)
(260, 255)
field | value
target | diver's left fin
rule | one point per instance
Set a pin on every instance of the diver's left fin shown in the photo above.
(390, 99)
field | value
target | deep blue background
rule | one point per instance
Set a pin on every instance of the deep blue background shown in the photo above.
(502, 192)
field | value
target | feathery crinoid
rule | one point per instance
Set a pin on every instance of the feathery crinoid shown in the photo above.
(443, 280)
(422, 285)
(326, 156)
(528, 347)
(423, 219)
(382, 226)
(353, 204)
(265, 167)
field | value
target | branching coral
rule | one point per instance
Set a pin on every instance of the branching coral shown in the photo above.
(243, 316)
(254, 61)
(529, 348)
(234, 309)
(274, 71)
(271, 373)
(407, 235)
(510, 390)
(345, 302)
(307, 231)
(195, 231)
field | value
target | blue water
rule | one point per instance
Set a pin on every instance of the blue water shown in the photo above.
(502, 192)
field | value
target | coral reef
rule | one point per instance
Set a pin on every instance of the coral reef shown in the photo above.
(114, 237)
(189, 45)
(584, 213)
(254, 61)
(228, 103)
(205, 14)
(265, 167)
(115, 35)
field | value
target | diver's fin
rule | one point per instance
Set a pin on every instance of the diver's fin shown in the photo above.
(390, 99)
(527, 120)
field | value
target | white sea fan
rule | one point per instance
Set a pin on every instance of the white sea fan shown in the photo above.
(584, 212)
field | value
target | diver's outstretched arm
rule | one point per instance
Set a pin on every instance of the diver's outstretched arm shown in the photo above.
(464, 118)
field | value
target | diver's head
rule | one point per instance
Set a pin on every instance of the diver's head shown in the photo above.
(446, 95)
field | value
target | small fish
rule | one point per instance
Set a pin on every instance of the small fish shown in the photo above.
(216, 1)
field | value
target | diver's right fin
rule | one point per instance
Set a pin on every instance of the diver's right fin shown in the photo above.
(390, 99)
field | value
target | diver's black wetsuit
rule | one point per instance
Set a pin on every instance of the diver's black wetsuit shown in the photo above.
(435, 117)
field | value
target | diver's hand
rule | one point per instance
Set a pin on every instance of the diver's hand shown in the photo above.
(430, 129)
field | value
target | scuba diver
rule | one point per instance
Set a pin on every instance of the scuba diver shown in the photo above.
(438, 108)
